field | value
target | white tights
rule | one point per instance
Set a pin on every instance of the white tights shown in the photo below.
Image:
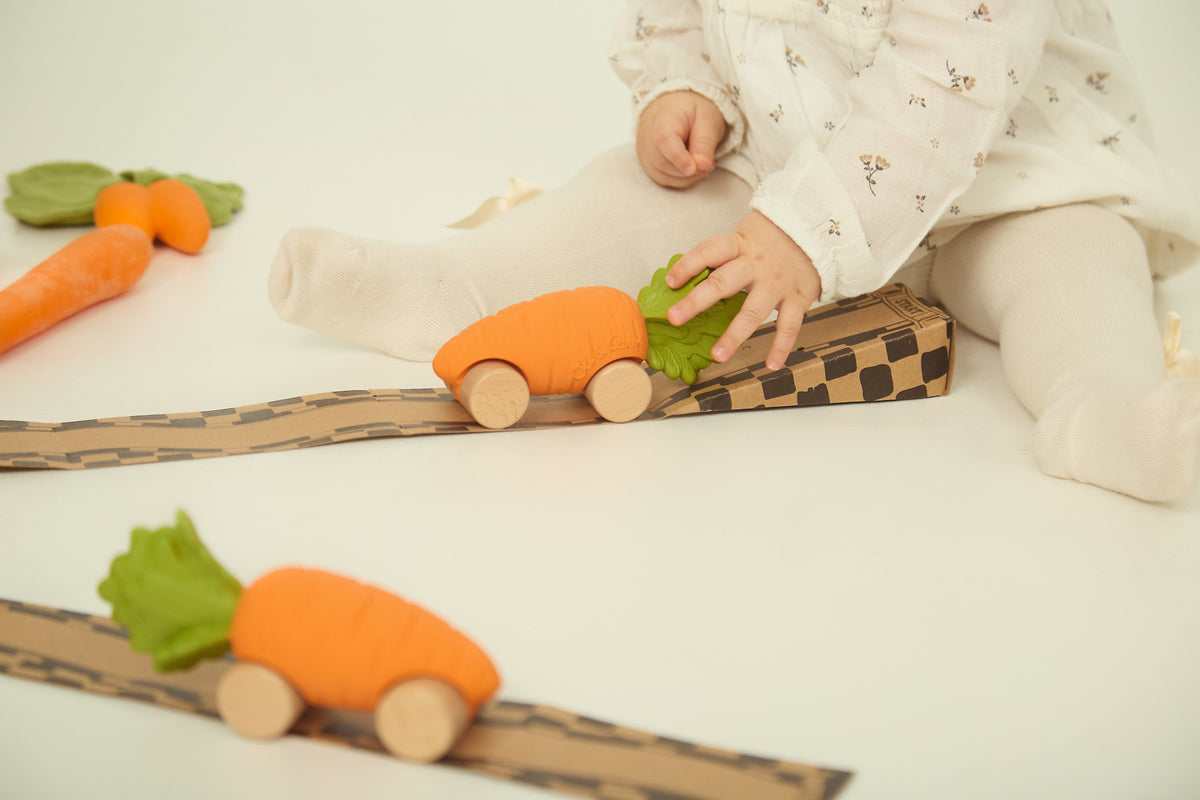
(609, 225)
(1066, 292)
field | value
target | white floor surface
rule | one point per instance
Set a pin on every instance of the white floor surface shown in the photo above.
(892, 589)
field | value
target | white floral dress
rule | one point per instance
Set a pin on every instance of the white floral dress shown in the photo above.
(874, 130)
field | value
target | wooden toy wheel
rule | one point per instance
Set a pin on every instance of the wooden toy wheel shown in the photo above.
(494, 393)
(257, 702)
(619, 391)
(420, 719)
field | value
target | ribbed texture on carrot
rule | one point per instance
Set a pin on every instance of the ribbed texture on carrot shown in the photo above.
(557, 341)
(342, 643)
(100, 264)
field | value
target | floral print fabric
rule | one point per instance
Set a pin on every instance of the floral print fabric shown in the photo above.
(874, 131)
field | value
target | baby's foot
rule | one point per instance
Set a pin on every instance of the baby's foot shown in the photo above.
(1144, 444)
(387, 296)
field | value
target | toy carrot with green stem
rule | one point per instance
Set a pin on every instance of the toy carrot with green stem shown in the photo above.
(167, 209)
(301, 636)
(106, 262)
(591, 340)
(63, 193)
(103, 263)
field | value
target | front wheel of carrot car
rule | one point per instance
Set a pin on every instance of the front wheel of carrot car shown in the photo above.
(257, 702)
(620, 391)
(420, 719)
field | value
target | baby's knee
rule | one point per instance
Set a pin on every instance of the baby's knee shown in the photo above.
(1078, 243)
(1096, 242)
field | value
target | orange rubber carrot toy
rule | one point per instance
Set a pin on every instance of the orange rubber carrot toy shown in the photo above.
(124, 203)
(129, 215)
(180, 218)
(167, 209)
(99, 265)
(301, 637)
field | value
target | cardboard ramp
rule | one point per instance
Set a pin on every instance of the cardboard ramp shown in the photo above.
(527, 743)
(886, 345)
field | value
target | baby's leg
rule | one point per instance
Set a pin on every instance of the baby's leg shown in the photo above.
(609, 225)
(1068, 295)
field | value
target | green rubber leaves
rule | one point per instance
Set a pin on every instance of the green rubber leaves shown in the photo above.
(681, 352)
(64, 192)
(176, 600)
(61, 193)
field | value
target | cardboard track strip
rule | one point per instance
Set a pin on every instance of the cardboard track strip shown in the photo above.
(887, 345)
(523, 742)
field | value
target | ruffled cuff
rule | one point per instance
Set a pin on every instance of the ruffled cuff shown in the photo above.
(809, 203)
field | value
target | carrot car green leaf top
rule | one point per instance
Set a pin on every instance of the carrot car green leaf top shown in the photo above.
(180, 606)
(679, 352)
(299, 637)
(172, 595)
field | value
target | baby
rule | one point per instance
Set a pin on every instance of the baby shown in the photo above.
(994, 156)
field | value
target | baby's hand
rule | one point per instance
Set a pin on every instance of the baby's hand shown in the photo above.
(677, 139)
(762, 259)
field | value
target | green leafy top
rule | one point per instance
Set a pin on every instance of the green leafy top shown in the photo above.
(681, 352)
(61, 193)
(172, 595)
(64, 192)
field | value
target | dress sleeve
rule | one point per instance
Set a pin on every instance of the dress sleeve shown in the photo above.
(659, 46)
(923, 116)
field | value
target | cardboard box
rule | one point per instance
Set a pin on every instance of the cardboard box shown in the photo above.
(886, 345)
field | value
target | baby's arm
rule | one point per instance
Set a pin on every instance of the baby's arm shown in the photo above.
(857, 207)
(686, 116)
(924, 115)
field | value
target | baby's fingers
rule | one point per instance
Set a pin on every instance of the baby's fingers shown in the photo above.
(706, 134)
(754, 311)
(674, 152)
(709, 254)
(787, 329)
(725, 280)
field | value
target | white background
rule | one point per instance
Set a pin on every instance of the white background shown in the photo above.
(892, 589)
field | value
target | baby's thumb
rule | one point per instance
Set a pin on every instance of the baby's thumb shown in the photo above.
(706, 135)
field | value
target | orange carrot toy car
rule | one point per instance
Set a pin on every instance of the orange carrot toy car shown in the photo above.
(591, 341)
(300, 637)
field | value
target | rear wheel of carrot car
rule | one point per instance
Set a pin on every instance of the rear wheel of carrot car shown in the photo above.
(420, 719)
(620, 390)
